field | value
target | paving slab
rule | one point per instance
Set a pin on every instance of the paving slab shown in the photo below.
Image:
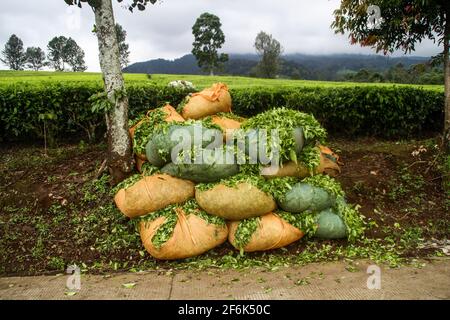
(331, 280)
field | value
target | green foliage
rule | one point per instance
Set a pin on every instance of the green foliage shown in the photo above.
(21, 105)
(140, 4)
(242, 177)
(165, 231)
(404, 23)
(269, 49)
(146, 128)
(62, 50)
(124, 48)
(423, 73)
(305, 221)
(285, 121)
(310, 157)
(35, 58)
(342, 108)
(56, 263)
(100, 103)
(246, 228)
(208, 39)
(278, 187)
(325, 182)
(384, 111)
(353, 220)
(13, 55)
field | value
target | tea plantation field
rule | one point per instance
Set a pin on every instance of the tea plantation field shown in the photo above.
(43, 77)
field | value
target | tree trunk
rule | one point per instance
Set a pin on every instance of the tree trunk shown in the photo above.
(120, 159)
(211, 72)
(447, 87)
(446, 138)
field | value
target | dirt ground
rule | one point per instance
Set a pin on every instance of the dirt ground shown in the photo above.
(330, 280)
(54, 212)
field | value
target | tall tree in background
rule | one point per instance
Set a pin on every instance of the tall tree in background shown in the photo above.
(73, 55)
(120, 153)
(124, 48)
(269, 49)
(56, 52)
(399, 25)
(13, 55)
(208, 39)
(62, 51)
(35, 58)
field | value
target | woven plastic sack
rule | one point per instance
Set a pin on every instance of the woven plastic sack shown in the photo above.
(201, 172)
(304, 197)
(330, 225)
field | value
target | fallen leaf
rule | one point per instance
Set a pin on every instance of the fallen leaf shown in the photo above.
(129, 285)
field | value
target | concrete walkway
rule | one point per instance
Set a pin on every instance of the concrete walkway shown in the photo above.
(337, 280)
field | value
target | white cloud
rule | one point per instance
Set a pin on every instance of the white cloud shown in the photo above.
(164, 30)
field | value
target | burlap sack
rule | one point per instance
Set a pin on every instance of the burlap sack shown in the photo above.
(329, 164)
(153, 193)
(237, 203)
(208, 102)
(272, 233)
(227, 125)
(192, 236)
(171, 116)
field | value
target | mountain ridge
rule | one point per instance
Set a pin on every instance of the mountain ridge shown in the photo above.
(295, 65)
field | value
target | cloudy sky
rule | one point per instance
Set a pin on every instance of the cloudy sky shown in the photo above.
(164, 30)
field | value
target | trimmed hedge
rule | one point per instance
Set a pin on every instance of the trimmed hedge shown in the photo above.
(388, 112)
(66, 109)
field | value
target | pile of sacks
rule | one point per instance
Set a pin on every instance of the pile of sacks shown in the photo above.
(185, 210)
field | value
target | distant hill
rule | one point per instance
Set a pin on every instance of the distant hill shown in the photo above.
(310, 67)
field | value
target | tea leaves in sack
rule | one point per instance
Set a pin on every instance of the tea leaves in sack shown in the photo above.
(327, 163)
(330, 225)
(263, 233)
(188, 135)
(315, 193)
(304, 197)
(143, 129)
(207, 102)
(297, 132)
(153, 193)
(201, 172)
(235, 198)
(181, 231)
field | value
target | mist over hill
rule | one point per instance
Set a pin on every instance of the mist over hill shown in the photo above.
(301, 66)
